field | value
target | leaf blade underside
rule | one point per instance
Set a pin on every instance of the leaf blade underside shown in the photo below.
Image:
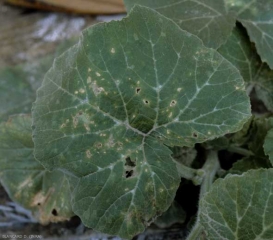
(109, 104)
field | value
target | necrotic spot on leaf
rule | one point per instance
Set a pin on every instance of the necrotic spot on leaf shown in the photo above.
(129, 174)
(54, 212)
(129, 162)
(129, 167)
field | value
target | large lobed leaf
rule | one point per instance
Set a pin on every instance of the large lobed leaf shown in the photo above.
(239, 51)
(207, 19)
(257, 18)
(25, 180)
(239, 207)
(213, 20)
(109, 105)
(18, 84)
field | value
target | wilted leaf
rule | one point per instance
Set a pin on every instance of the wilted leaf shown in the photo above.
(207, 19)
(257, 17)
(239, 51)
(25, 180)
(239, 207)
(109, 104)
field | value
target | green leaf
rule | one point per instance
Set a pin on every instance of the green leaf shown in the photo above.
(175, 214)
(184, 155)
(109, 105)
(239, 207)
(25, 180)
(248, 163)
(239, 51)
(209, 20)
(257, 18)
(16, 92)
(18, 84)
(268, 145)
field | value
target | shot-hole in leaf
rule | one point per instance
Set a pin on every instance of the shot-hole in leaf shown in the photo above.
(116, 145)
(26, 181)
(239, 207)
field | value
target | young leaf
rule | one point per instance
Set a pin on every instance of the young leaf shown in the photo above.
(257, 18)
(239, 207)
(25, 180)
(109, 105)
(209, 20)
(268, 145)
(248, 163)
(239, 51)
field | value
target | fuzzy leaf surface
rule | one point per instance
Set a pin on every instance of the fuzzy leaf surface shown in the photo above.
(207, 19)
(25, 180)
(239, 207)
(109, 105)
(257, 18)
(239, 51)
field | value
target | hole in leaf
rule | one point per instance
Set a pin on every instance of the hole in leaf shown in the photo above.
(38, 204)
(129, 174)
(195, 135)
(54, 212)
(99, 145)
(173, 103)
(146, 101)
(129, 162)
(138, 90)
(129, 167)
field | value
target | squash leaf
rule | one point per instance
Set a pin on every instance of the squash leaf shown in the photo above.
(18, 84)
(239, 207)
(110, 104)
(26, 181)
(239, 51)
(257, 18)
(209, 20)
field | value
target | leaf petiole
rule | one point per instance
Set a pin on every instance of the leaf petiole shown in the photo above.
(195, 175)
(210, 169)
(239, 150)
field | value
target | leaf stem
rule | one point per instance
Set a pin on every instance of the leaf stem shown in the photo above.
(241, 151)
(210, 169)
(195, 175)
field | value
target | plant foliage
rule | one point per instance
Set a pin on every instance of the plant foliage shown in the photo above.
(141, 108)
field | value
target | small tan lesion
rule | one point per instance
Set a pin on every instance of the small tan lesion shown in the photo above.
(173, 103)
(88, 154)
(96, 89)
